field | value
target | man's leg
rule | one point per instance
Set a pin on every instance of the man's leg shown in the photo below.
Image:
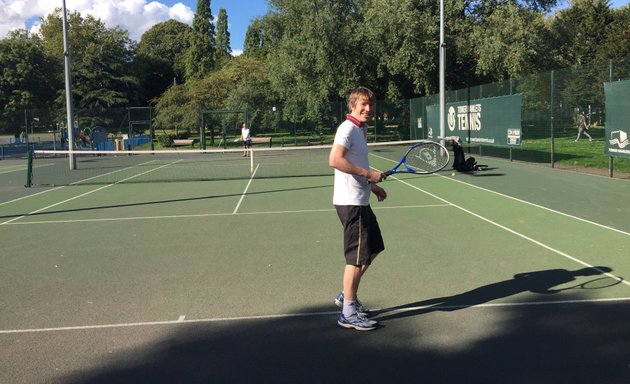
(351, 279)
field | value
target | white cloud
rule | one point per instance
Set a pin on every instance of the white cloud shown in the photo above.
(136, 16)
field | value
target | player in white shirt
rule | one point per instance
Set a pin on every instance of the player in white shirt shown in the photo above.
(354, 181)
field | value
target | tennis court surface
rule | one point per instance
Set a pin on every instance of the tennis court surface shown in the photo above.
(224, 270)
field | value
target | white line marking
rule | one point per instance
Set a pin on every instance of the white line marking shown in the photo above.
(246, 189)
(75, 183)
(540, 244)
(181, 319)
(17, 168)
(210, 215)
(80, 182)
(89, 192)
(495, 305)
(540, 206)
(519, 200)
(35, 194)
(298, 315)
(21, 168)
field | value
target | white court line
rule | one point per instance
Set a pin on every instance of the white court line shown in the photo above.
(540, 244)
(21, 168)
(75, 183)
(518, 233)
(519, 200)
(181, 319)
(200, 215)
(17, 168)
(540, 206)
(34, 194)
(88, 193)
(246, 189)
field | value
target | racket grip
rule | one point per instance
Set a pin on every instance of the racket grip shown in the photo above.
(387, 173)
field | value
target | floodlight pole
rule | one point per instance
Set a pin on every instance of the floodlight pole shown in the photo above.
(69, 111)
(442, 73)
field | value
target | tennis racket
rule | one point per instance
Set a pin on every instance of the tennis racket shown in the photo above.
(424, 157)
(598, 283)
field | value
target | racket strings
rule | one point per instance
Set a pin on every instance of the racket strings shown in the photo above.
(427, 158)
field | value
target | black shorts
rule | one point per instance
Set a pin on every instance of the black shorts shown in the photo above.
(362, 239)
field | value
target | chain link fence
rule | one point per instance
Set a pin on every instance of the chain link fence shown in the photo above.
(552, 101)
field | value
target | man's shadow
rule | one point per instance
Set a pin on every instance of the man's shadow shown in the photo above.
(541, 282)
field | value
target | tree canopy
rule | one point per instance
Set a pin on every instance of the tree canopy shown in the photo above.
(224, 50)
(168, 41)
(101, 61)
(202, 52)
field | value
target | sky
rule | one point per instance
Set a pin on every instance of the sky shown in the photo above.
(136, 16)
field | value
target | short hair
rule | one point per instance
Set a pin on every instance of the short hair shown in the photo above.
(357, 93)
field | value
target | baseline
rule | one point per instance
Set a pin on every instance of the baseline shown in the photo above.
(180, 320)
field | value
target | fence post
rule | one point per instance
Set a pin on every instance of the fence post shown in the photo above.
(551, 122)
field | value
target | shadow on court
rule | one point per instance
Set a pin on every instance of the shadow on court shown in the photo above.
(485, 172)
(585, 342)
(157, 202)
(576, 344)
(540, 282)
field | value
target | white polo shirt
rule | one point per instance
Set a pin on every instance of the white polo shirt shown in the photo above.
(352, 189)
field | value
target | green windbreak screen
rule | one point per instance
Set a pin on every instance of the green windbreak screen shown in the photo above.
(617, 141)
(491, 121)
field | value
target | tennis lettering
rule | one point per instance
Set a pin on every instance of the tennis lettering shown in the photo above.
(469, 117)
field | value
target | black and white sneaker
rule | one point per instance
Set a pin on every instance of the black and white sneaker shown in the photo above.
(358, 322)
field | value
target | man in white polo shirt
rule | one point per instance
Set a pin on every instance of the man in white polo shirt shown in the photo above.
(354, 181)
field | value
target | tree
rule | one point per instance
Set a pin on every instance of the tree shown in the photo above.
(252, 89)
(223, 36)
(617, 44)
(313, 54)
(176, 110)
(154, 75)
(403, 47)
(509, 42)
(581, 32)
(242, 83)
(100, 61)
(25, 80)
(168, 41)
(254, 43)
(201, 54)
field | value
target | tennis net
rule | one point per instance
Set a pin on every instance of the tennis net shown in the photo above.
(50, 168)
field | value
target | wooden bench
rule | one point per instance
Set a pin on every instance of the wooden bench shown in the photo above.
(181, 142)
(256, 140)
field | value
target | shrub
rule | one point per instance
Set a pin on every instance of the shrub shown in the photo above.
(165, 140)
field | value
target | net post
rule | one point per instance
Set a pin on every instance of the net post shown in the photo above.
(29, 169)
(610, 166)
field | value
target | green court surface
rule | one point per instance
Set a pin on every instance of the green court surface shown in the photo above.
(516, 274)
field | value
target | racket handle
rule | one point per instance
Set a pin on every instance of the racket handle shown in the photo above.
(387, 173)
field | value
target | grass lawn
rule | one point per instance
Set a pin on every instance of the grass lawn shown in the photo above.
(581, 154)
